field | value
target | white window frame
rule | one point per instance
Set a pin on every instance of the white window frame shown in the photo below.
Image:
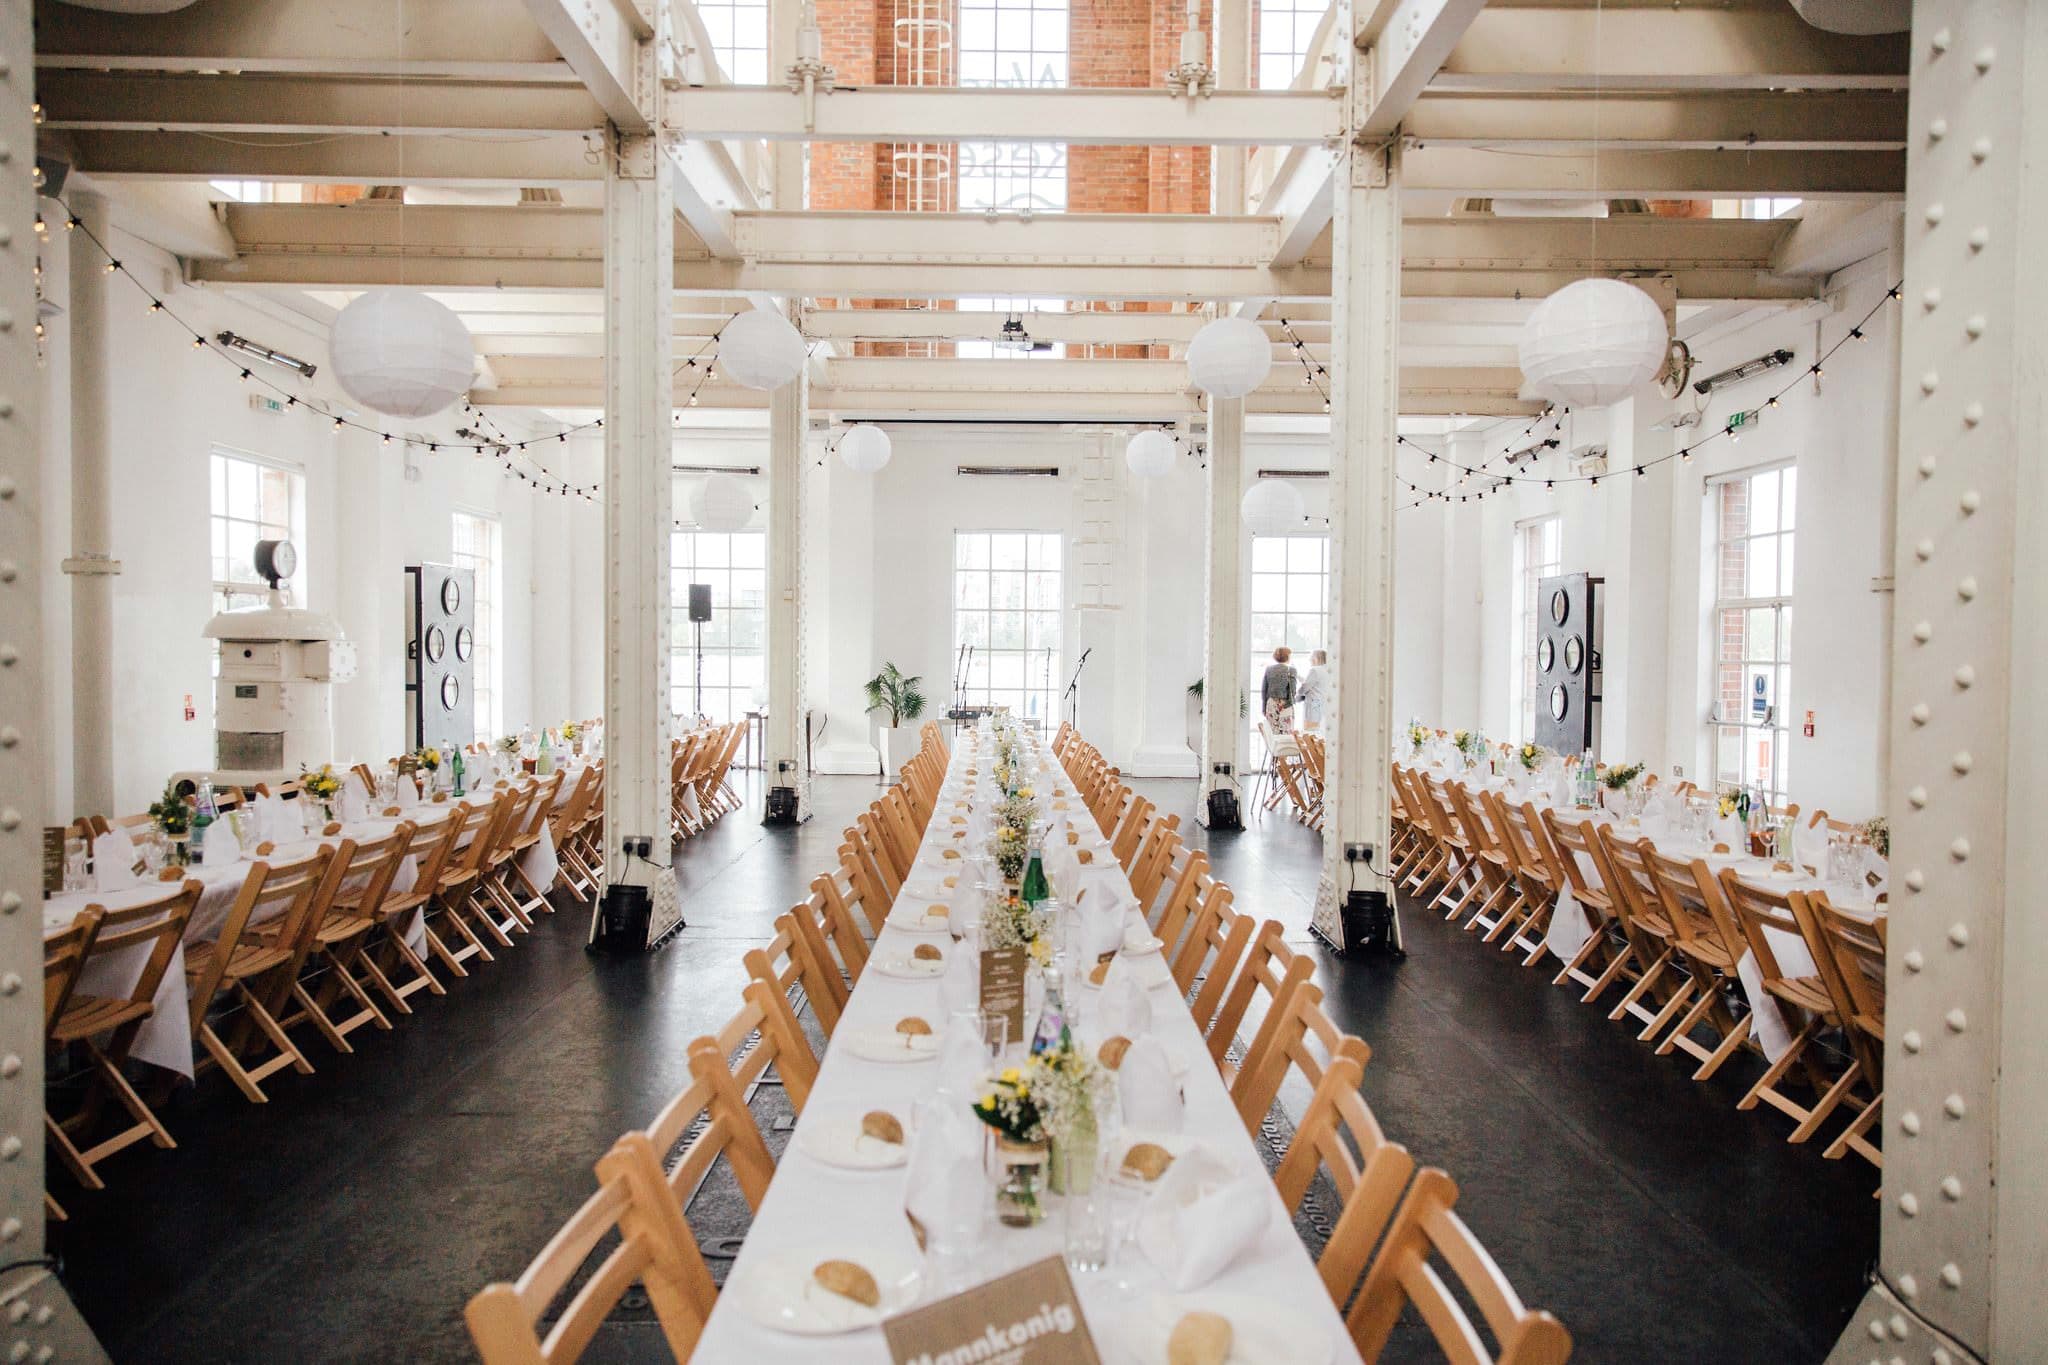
(234, 579)
(1023, 309)
(1309, 626)
(487, 567)
(739, 38)
(1529, 572)
(1749, 608)
(1286, 28)
(1013, 44)
(1025, 678)
(735, 564)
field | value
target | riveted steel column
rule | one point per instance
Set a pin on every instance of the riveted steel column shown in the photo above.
(786, 484)
(92, 564)
(1223, 679)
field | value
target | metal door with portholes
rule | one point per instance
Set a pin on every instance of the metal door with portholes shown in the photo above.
(1567, 660)
(440, 656)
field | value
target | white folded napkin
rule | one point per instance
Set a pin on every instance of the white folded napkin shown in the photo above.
(113, 860)
(945, 1189)
(408, 792)
(1099, 922)
(275, 819)
(1151, 1097)
(352, 804)
(1202, 1217)
(960, 987)
(1728, 830)
(1810, 846)
(1125, 1007)
(221, 850)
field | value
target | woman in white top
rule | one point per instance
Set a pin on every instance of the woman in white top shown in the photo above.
(1314, 688)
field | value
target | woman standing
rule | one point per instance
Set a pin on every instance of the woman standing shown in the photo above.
(1315, 689)
(1278, 690)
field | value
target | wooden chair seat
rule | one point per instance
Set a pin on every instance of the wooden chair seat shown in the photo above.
(244, 960)
(1809, 993)
(87, 1015)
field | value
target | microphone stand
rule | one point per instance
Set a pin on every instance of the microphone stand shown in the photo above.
(1073, 693)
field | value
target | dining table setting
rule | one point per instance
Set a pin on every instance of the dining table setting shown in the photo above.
(953, 1172)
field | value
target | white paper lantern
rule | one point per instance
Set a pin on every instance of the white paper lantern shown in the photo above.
(1229, 358)
(1272, 507)
(864, 449)
(1593, 342)
(722, 503)
(1150, 454)
(400, 353)
(760, 349)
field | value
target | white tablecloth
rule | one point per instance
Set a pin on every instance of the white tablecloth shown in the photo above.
(812, 1205)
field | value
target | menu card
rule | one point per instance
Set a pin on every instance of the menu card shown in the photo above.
(1027, 1317)
(53, 859)
(1002, 987)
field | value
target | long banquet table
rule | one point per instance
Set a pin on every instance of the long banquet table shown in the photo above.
(811, 1206)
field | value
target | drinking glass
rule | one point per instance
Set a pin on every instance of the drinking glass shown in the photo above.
(1090, 1233)
(75, 862)
(151, 849)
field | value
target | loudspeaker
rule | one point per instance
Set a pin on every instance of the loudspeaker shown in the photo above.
(781, 806)
(622, 920)
(700, 602)
(1223, 809)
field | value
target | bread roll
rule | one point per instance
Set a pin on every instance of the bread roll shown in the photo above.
(1199, 1339)
(849, 1281)
(913, 1027)
(1147, 1160)
(927, 952)
(881, 1125)
(1097, 973)
(1112, 1051)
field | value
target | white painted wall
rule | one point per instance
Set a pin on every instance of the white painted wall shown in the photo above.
(364, 521)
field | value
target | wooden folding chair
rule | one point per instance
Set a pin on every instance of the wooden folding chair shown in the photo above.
(1155, 856)
(1639, 908)
(1609, 953)
(1402, 1273)
(362, 875)
(1301, 1039)
(831, 907)
(766, 1033)
(654, 1248)
(1207, 962)
(877, 845)
(458, 894)
(1269, 966)
(1339, 1134)
(1854, 970)
(1707, 938)
(1519, 833)
(864, 882)
(728, 1129)
(501, 904)
(429, 847)
(259, 947)
(1189, 878)
(1500, 895)
(1123, 845)
(788, 961)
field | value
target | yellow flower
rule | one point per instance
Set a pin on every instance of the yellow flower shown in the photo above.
(1011, 1075)
(1025, 793)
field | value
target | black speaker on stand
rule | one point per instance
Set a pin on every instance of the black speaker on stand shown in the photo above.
(700, 612)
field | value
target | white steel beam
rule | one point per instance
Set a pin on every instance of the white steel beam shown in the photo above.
(557, 161)
(247, 103)
(1621, 49)
(607, 44)
(787, 436)
(1828, 237)
(1752, 120)
(1655, 174)
(1136, 117)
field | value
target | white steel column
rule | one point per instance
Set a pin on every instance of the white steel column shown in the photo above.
(1223, 680)
(639, 277)
(1365, 295)
(786, 483)
(92, 565)
(42, 1324)
(1233, 72)
(1965, 1115)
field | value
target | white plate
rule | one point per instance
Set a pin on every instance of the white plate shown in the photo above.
(1152, 971)
(887, 1045)
(926, 889)
(778, 1291)
(930, 919)
(908, 968)
(1176, 1061)
(1138, 942)
(836, 1140)
(1261, 1329)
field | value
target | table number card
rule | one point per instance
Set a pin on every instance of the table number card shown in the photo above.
(1002, 987)
(1027, 1317)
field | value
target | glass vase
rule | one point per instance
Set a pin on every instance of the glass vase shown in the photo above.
(1018, 1201)
(1073, 1160)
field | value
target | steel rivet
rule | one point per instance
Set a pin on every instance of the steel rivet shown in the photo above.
(10, 1148)
(1942, 1357)
(1909, 1123)
(1919, 713)
(1959, 849)
(10, 901)
(1940, 41)
(1935, 213)
(1929, 382)
(8, 488)
(9, 571)
(1965, 676)
(1953, 1106)
(10, 984)
(1923, 631)
(1975, 326)
(1970, 502)
(1966, 587)
(1986, 55)
(1877, 1329)
(1918, 796)
(1980, 149)
(1898, 1327)
(1924, 550)
(1914, 961)
(9, 736)
(1930, 299)
(1926, 466)
(1959, 934)
(1952, 1189)
(1912, 1040)
(1908, 1287)
(10, 1065)
(1951, 1276)
(1961, 762)
(1980, 238)
(1973, 414)
(10, 818)
(1908, 1205)
(1916, 880)
(1956, 1020)
(10, 1228)
(9, 656)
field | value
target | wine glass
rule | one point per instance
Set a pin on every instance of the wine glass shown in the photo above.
(76, 860)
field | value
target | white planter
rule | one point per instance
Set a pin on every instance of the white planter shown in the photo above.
(896, 744)
(1195, 723)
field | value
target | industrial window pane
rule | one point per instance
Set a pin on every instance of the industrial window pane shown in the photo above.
(1008, 602)
(735, 640)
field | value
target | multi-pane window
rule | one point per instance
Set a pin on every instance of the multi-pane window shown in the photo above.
(252, 500)
(1006, 606)
(1020, 309)
(739, 35)
(1286, 28)
(1539, 554)
(1013, 43)
(734, 651)
(1751, 628)
(1290, 605)
(475, 547)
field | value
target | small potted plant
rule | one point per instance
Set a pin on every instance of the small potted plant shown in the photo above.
(1532, 756)
(321, 784)
(902, 696)
(172, 815)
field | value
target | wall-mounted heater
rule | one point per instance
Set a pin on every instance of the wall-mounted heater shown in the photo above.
(1007, 471)
(234, 341)
(1748, 369)
(1529, 453)
(747, 470)
(1294, 473)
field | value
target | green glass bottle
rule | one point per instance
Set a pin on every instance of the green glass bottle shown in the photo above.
(1034, 889)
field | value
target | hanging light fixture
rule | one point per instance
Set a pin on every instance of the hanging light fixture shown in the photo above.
(1230, 357)
(760, 349)
(1592, 343)
(722, 503)
(1150, 454)
(400, 353)
(864, 449)
(1272, 507)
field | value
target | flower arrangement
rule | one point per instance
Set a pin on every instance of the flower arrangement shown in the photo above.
(1006, 922)
(508, 744)
(1878, 830)
(1621, 776)
(171, 812)
(1470, 743)
(428, 759)
(1418, 735)
(571, 732)
(1008, 849)
(323, 784)
(1532, 756)
(1733, 801)
(1051, 1098)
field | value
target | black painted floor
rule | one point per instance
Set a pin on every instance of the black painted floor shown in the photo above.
(351, 1217)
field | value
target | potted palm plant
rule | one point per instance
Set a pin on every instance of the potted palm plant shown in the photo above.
(902, 696)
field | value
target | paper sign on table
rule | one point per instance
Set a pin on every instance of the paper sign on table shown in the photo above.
(1002, 987)
(53, 859)
(1027, 1317)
